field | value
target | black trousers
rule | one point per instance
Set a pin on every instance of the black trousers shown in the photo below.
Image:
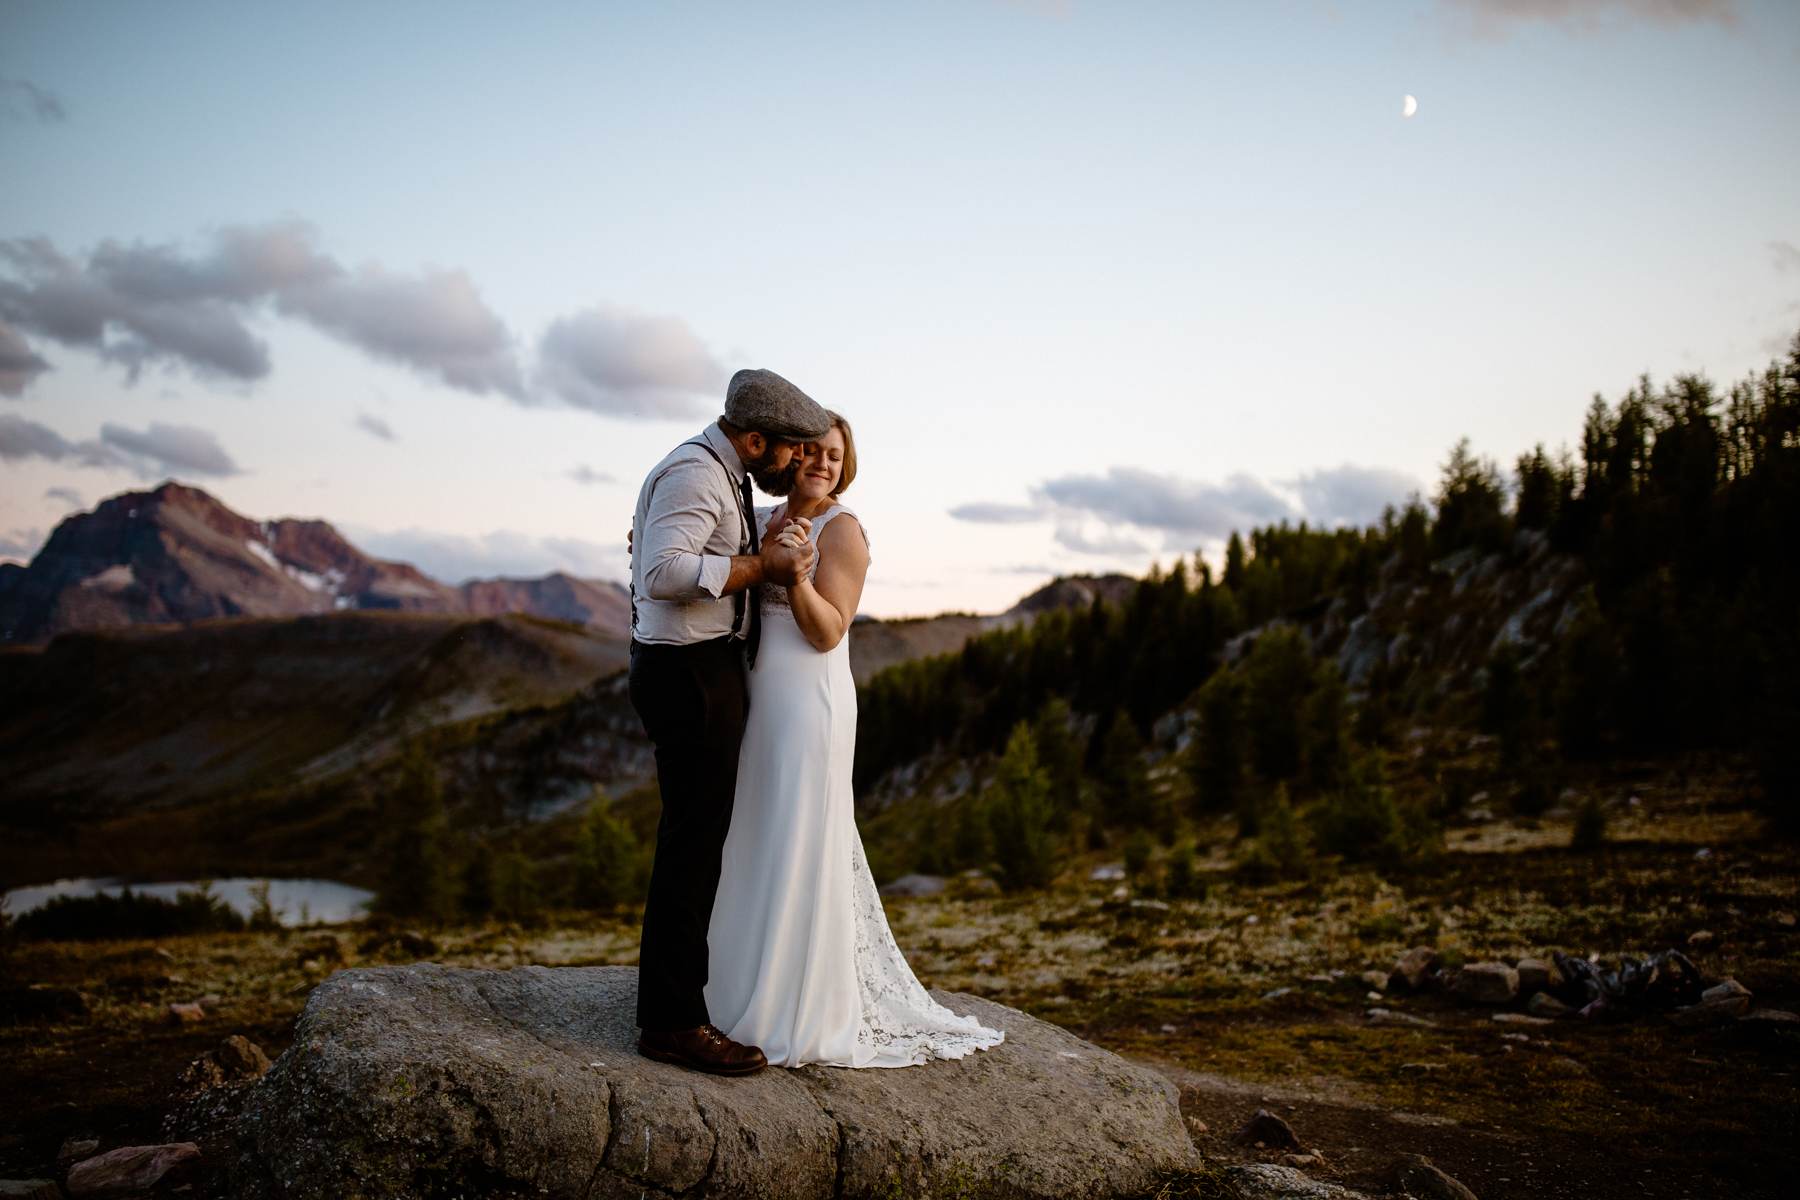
(693, 700)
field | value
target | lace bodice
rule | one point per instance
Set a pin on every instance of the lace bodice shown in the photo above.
(774, 595)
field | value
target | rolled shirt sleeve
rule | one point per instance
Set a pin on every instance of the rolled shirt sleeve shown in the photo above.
(684, 509)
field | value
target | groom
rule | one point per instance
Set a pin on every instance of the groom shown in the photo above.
(695, 564)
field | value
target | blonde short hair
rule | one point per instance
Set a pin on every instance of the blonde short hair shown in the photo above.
(842, 426)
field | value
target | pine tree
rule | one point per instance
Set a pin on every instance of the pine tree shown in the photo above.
(1060, 755)
(606, 860)
(517, 894)
(1124, 780)
(417, 880)
(1018, 807)
(1218, 762)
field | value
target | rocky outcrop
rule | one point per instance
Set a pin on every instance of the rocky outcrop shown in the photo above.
(427, 1080)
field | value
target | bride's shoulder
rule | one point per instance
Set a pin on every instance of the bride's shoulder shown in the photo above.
(842, 526)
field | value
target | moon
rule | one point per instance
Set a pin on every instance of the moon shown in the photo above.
(1409, 106)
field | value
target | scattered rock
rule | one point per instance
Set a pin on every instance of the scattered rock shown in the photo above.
(1277, 993)
(1513, 1018)
(1108, 872)
(1538, 975)
(1303, 1160)
(428, 1079)
(1387, 1016)
(1377, 980)
(1771, 1016)
(1264, 1128)
(915, 885)
(1727, 991)
(1413, 969)
(130, 1169)
(1419, 1178)
(414, 942)
(235, 1060)
(1155, 906)
(29, 1189)
(1543, 1004)
(1486, 983)
(1701, 937)
(1718, 1004)
(185, 1013)
(75, 1149)
(1272, 1181)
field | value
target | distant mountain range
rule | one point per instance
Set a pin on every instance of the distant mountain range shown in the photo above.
(175, 555)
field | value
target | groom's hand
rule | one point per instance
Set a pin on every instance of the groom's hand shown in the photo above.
(786, 561)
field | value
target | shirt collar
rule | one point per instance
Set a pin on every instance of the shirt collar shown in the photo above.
(728, 454)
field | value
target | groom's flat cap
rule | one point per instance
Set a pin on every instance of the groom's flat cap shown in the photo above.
(764, 401)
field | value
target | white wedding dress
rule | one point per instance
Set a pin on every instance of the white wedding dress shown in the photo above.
(801, 961)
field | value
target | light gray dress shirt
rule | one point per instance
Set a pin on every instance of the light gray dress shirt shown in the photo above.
(688, 524)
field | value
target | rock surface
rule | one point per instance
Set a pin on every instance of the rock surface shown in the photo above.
(1486, 983)
(1413, 969)
(426, 1081)
(1420, 1178)
(129, 1169)
(29, 1189)
(1267, 1181)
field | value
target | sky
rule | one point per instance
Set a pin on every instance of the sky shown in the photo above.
(1095, 284)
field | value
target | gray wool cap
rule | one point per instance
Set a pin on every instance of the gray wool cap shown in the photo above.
(764, 401)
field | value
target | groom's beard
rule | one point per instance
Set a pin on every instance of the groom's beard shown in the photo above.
(776, 481)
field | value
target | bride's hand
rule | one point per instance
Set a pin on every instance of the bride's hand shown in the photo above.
(794, 533)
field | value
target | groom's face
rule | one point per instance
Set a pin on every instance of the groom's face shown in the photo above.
(776, 468)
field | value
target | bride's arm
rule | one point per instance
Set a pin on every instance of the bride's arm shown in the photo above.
(825, 606)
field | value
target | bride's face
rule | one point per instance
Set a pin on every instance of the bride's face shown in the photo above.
(821, 466)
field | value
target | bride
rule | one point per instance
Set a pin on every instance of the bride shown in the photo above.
(801, 961)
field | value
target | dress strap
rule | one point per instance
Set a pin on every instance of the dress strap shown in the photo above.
(825, 518)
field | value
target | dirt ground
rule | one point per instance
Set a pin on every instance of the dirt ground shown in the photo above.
(1253, 997)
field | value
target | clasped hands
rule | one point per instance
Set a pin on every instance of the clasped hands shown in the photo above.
(787, 555)
(788, 552)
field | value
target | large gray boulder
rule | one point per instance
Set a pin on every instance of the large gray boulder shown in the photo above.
(433, 1081)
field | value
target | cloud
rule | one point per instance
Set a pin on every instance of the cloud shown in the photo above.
(619, 363)
(1786, 256)
(1351, 495)
(171, 449)
(435, 323)
(21, 544)
(1108, 543)
(19, 365)
(39, 102)
(20, 439)
(137, 304)
(160, 450)
(455, 558)
(1132, 496)
(586, 475)
(1492, 18)
(369, 423)
(1127, 503)
(68, 496)
(984, 513)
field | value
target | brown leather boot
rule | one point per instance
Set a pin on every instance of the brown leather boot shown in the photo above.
(703, 1049)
